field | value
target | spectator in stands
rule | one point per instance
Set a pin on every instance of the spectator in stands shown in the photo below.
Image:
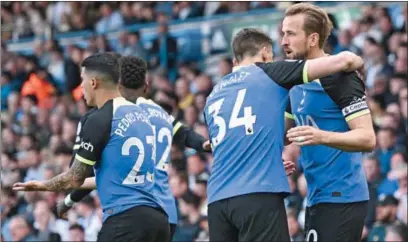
(386, 215)
(6, 88)
(179, 184)
(386, 140)
(184, 10)
(203, 232)
(77, 233)
(102, 45)
(379, 62)
(183, 93)
(163, 53)
(397, 233)
(374, 178)
(190, 217)
(49, 228)
(111, 20)
(133, 46)
(88, 218)
(20, 230)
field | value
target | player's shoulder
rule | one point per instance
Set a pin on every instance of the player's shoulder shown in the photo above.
(344, 76)
(142, 100)
(101, 115)
(88, 114)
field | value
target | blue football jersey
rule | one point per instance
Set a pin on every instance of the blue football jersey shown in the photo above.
(163, 128)
(333, 175)
(245, 119)
(118, 140)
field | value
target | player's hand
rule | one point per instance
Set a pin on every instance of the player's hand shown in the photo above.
(30, 186)
(290, 167)
(306, 135)
(207, 146)
(62, 209)
(354, 61)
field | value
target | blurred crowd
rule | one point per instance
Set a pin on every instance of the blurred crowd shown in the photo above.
(27, 19)
(41, 103)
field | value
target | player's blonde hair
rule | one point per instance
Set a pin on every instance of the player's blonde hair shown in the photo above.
(316, 20)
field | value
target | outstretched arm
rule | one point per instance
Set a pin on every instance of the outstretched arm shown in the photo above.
(188, 137)
(288, 73)
(324, 66)
(73, 178)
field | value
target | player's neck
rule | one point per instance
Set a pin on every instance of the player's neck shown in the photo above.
(248, 61)
(131, 94)
(316, 54)
(104, 95)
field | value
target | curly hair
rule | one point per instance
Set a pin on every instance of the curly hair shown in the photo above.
(132, 72)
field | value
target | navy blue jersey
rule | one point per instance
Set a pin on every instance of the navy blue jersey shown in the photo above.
(245, 118)
(333, 175)
(117, 140)
(81, 124)
(163, 129)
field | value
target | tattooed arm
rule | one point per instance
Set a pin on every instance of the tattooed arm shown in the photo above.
(73, 178)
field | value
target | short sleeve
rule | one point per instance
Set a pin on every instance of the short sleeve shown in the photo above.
(287, 73)
(347, 90)
(288, 111)
(94, 136)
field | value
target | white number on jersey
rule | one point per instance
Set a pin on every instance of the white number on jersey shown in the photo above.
(163, 162)
(248, 120)
(305, 121)
(133, 178)
(311, 236)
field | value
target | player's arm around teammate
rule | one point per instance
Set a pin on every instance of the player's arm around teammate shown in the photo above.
(350, 97)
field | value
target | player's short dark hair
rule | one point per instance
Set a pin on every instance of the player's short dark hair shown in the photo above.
(76, 226)
(105, 64)
(132, 72)
(248, 42)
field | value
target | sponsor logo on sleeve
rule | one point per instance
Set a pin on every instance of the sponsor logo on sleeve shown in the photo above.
(87, 146)
(355, 106)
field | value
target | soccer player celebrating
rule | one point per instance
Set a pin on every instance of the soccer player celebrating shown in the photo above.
(333, 127)
(116, 140)
(132, 86)
(245, 118)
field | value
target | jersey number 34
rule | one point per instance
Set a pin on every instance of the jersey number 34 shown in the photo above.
(248, 120)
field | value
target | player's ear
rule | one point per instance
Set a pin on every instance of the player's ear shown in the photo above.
(94, 83)
(234, 62)
(267, 54)
(314, 39)
(146, 86)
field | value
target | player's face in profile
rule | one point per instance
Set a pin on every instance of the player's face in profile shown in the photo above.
(294, 40)
(87, 87)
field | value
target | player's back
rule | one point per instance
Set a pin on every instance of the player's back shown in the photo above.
(333, 175)
(163, 128)
(125, 173)
(245, 114)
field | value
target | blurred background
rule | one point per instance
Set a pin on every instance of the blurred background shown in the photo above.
(186, 45)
